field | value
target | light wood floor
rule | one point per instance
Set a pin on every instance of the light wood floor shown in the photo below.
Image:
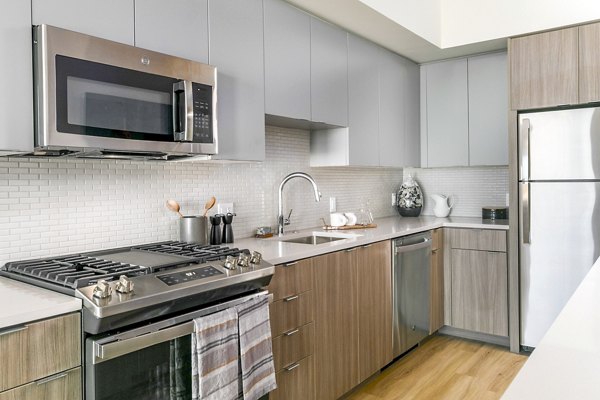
(445, 368)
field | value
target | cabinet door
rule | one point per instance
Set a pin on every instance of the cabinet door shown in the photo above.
(392, 113)
(374, 307)
(287, 60)
(479, 291)
(108, 19)
(412, 115)
(543, 69)
(336, 324)
(436, 288)
(16, 85)
(589, 63)
(488, 110)
(236, 48)
(447, 130)
(363, 101)
(178, 28)
(39, 349)
(329, 73)
(62, 386)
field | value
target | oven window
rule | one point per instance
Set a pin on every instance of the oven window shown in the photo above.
(160, 372)
(103, 100)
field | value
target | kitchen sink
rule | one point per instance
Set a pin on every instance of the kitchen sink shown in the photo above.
(319, 238)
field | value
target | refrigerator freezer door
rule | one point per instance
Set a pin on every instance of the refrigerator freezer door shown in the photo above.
(565, 243)
(562, 145)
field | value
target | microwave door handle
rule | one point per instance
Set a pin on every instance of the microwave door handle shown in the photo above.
(183, 111)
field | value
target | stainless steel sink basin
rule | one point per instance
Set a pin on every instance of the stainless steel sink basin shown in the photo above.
(319, 238)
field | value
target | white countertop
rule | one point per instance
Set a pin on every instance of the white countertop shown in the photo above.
(277, 252)
(21, 303)
(566, 363)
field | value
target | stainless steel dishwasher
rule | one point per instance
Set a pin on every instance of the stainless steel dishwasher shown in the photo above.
(410, 279)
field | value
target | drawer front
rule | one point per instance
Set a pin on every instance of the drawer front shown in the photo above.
(478, 239)
(436, 237)
(40, 349)
(297, 382)
(65, 385)
(293, 346)
(291, 312)
(291, 279)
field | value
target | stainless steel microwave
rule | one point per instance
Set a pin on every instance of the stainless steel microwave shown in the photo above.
(98, 98)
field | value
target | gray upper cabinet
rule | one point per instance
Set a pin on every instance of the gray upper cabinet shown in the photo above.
(363, 101)
(186, 36)
(287, 60)
(329, 73)
(412, 115)
(108, 19)
(447, 129)
(488, 107)
(236, 49)
(16, 85)
(392, 88)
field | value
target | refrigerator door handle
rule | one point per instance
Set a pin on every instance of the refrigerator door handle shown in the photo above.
(524, 139)
(526, 207)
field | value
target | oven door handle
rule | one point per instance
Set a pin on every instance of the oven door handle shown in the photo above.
(105, 352)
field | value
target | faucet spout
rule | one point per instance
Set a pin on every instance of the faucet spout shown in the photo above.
(281, 220)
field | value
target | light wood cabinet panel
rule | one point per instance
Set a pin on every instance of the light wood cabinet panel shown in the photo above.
(374, 269)
(478, 239)
(293, 346)
(39, 350)
(296, 382)
(479, 291)
(436, 299)
(544, 69)
(291, 312)
(589, 63)
(291, 279)
(336, 320)
(63, 386)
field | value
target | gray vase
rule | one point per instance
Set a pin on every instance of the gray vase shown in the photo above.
(409, 199)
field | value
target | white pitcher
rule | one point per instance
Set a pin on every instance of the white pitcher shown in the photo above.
(442, 205)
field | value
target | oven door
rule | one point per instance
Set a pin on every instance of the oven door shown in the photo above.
(153, 362)
(93, 93)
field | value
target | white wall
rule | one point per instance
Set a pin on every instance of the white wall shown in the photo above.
(471, 21)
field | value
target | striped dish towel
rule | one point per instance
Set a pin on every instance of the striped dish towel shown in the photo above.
(215, 358)
(256, 352)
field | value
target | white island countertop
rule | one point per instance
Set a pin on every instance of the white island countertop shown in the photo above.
(21, 303)
(277, 252)
(566, 362)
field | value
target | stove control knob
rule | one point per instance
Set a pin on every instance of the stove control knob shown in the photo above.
(230, 263)
(243, 260)
(102, 290)
(124, 285)
(255, 257)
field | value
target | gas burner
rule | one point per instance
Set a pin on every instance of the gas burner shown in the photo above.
(202, 253)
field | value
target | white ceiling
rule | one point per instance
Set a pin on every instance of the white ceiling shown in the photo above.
(428, 30)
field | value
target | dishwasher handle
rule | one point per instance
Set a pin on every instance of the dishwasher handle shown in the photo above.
(411, 247)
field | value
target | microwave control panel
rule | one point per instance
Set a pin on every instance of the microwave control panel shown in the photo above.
(203, 118)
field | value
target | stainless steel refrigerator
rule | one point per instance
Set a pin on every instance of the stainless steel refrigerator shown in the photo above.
(559, 211)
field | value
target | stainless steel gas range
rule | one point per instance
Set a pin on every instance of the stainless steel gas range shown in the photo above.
(139, 303)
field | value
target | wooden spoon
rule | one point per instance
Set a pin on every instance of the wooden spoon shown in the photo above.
(174, 206)
(209, 204)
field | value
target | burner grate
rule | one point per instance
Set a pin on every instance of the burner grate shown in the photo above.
(202, 253)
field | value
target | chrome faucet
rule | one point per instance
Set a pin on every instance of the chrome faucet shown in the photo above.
(281, 220)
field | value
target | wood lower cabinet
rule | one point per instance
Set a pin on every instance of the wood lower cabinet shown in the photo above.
(38, 350)
(336, 322)
(436, 288)
(374, 269)
(63, 386)
(296, 382)
(478, 281)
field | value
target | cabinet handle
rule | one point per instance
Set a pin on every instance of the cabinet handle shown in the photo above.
(290, 264)
(367, 246)
(291, 367)
(291, 298)
(50, 379)
(350, 250)
(14, 330)
(290, 333)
